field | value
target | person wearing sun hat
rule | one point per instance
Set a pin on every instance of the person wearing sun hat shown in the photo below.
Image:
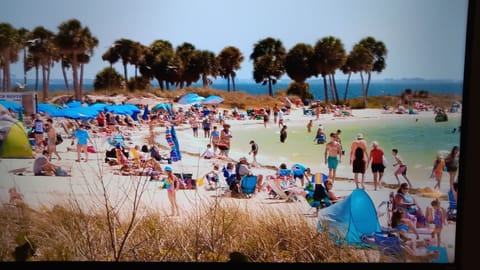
(172, 184)
(359, 158)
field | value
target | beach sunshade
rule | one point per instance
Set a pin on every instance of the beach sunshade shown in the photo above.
(11, 105)
(349, 219)
(162, 106)
(15, 142)
(212, 100)
(77, 113)
(48, 108)
(74, 104)
(98, 106)
(190, 98)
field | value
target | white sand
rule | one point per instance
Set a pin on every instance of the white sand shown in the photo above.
(84, 184)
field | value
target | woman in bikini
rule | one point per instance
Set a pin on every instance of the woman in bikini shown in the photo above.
(171, 184)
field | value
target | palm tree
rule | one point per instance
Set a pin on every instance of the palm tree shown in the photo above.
(74, 40)
(229, 60)
(361, 61)
(158, 62)
(188, 56)
(207, 65)
(299, 67)
(329, 55)
(9, 46)
(23, 35)
(268, 58)
(42, 48)
(379, 52)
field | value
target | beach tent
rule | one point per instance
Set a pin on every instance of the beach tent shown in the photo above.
(347, 220)
(14, 141)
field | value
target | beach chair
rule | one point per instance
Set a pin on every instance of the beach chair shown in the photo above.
(277, 190)
(452, 207)
(248, 185)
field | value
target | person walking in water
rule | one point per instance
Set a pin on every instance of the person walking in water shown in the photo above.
(253, 151)
(376, 161)
(402, 167)
(358, 158)
(283, 134)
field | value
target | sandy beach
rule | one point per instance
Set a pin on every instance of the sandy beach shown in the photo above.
(86, 177)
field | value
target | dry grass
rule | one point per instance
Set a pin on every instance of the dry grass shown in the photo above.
(209, 234)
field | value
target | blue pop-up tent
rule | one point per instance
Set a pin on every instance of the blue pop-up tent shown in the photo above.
(349, 219)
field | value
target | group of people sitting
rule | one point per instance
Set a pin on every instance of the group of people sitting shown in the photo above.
(408, 217)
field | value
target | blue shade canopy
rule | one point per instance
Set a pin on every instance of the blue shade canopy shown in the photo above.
(77, 113)
(190, 98)
(74, 104)
(212, 100)
(162, 106)
(48, 108)
(11, 105)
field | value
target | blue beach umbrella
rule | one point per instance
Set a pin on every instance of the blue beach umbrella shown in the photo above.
(190, 98)
(212, 100)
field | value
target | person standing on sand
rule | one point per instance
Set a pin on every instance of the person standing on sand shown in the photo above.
(376, 161)
(358, 158)
(283, 134)
(402, 167)
(172, 184)
(214, 139)
(225, 137)
(51, 140)
(82, 136)
(333, 155)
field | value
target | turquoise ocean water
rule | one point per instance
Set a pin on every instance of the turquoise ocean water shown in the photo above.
(417, 141)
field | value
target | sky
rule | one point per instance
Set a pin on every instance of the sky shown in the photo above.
(424, 38)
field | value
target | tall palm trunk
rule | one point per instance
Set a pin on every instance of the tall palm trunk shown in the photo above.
(363, 91)
(76, 87)
(325, 88)
(346, 87)
(44, 82)
(233, 83)
(65, 80)
(81, 77)
(270, 90)
(36, 78)
(228, 83)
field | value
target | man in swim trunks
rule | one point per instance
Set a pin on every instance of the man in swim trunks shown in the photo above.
(358, 158)
(333, 155)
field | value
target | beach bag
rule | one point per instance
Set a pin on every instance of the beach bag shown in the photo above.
(59, 139)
